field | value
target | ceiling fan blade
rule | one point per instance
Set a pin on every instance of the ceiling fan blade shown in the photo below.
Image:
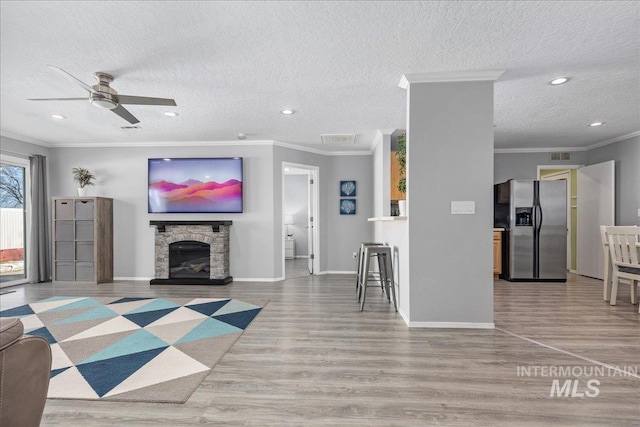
(125, 114)
(144, 100)
(72, 78)
(58, 99)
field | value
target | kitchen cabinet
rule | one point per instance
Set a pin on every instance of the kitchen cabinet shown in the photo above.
(395, 178)
(497, 252)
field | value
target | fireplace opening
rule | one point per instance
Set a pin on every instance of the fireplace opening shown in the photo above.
(189, 259)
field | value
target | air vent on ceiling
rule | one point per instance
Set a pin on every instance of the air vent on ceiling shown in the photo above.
(338, 138)
(560, 156)
(130, 127)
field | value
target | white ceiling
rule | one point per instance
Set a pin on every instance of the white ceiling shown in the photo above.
(232, 66)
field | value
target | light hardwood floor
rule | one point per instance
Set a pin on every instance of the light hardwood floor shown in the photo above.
(312, 358)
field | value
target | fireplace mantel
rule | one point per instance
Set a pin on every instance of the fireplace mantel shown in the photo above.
(215, 225)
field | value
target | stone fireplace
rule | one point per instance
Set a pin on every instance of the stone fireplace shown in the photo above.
(191, 252)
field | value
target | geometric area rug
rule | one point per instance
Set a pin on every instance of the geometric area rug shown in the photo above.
(134, 349)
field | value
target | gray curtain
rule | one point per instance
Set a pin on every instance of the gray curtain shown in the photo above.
(39, 261)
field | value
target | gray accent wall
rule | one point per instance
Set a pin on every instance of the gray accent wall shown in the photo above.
(121, 173)
(525, 165)
(450, 158)
(20, 148)
(348, 231)
(626, 155)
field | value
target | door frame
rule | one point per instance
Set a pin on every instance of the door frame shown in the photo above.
(313, 172)
(26, 164)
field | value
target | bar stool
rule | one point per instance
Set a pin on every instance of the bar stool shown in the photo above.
(383, 253)
(360, 260)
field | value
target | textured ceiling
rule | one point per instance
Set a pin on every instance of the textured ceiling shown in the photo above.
(232, 66)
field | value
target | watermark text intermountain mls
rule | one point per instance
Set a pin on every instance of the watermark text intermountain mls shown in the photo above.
(575, 380)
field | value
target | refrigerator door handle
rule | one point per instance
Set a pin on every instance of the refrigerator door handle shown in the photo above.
(538, 223)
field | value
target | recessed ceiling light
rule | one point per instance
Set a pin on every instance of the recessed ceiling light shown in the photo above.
(559, 81)
(287, 112)
(58, 116)
(594, 124)
(242, 135)
(170, 114)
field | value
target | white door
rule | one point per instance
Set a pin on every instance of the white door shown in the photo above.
(596, 206)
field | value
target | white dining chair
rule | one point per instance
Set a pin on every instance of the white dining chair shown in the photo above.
(623, 249)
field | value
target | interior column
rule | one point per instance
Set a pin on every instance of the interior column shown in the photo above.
(450, 198)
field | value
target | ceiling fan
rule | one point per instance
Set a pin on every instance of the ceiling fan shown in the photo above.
(103, 96)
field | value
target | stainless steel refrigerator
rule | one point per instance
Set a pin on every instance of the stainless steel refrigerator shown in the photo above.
(534, 215)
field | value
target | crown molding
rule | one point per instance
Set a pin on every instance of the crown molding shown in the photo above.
(613, 140)
(380, 134)
(537, 150)
(449, 76)
(25, 139)
(566, 149)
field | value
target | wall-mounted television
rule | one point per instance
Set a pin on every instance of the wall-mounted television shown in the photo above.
(195, 185)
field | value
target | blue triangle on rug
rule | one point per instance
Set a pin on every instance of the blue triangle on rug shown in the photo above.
(83, 303)
(44, 333)
(239, 319)
(121, 300)
(23, 310)
(99, 312)
(55, 372)
(147, 317)
(104, 375)
(208, 308)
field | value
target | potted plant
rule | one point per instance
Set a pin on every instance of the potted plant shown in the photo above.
(83, 177)
(401, 155)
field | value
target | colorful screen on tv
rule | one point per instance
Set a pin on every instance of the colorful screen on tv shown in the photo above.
(198, 185)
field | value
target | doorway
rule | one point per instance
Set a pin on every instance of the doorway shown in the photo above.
(592, 203)
(300, 217)
(14, 222)
(567, 175)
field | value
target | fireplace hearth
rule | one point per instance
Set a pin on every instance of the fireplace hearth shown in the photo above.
(191, 253)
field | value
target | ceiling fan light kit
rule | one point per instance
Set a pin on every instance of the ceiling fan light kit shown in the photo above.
(104, 96)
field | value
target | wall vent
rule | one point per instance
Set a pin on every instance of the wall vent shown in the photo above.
(130, 127)
(560, 156)
(338, 138)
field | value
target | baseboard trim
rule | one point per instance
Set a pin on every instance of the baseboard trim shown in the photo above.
(451, 325)
(136, 279)
(320, 273)
(258, 279)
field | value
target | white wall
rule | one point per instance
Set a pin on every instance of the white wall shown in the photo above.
(296, 203)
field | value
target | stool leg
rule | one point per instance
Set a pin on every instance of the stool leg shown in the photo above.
(365, 278)
(358, 270)
(384, 274)
(392, 284)
(380, 269)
